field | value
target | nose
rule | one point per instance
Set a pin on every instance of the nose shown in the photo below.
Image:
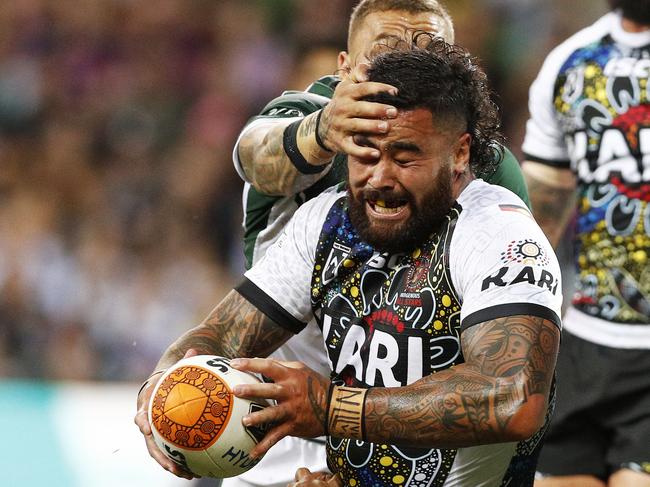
(384, 174)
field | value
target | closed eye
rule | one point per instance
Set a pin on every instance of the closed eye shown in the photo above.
(363, 141)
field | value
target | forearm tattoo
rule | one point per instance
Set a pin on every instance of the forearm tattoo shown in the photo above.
(265, 162)
(509, 365)
(317, 395)
(552, 207)
(235, 328)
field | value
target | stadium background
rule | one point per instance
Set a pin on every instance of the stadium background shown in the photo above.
(119, 207)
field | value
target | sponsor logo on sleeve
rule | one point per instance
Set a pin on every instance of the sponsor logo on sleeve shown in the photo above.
(526, 252)
(507, 276)
(524, 263)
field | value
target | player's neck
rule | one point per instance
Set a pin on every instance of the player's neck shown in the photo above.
(461, 182)
(632, 26)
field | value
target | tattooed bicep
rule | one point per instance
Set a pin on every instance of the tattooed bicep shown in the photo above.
(505, 346)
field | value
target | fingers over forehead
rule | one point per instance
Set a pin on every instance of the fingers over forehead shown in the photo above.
(361, 90)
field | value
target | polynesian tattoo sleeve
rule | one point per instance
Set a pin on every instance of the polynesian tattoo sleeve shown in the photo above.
(509, 363)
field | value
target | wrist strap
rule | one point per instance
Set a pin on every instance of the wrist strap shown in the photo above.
(345, 412)
(290, 144)
(319, 141)
(146, 382)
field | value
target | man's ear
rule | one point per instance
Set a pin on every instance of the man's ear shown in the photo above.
(344, 65)
(461, 153)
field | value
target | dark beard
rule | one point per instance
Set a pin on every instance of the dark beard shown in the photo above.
(422, 223)
(635, 10)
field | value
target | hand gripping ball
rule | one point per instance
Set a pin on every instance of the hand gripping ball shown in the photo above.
(196, 420)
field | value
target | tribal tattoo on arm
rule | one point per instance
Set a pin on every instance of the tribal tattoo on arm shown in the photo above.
(235, 328)
(499, 394)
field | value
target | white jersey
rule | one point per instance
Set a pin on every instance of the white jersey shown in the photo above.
(590, 112)
(389, 320)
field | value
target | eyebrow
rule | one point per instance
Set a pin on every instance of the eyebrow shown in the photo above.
(387, 37)
(389, 41)
(397, 145)
(406, 147)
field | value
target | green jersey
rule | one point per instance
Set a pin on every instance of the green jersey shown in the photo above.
(265, 216)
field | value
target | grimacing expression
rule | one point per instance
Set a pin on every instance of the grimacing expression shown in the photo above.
(636, 10)
(397, 201)
(379, 30)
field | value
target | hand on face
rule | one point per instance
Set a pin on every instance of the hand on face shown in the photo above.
(142, 420)
(348, 114)
(300, 394)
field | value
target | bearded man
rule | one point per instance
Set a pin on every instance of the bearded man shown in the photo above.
(436, 294)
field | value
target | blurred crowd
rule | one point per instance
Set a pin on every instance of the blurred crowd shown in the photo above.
(120, 211)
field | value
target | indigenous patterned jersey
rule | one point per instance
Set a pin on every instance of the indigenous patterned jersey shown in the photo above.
(265, 216)
(590, 111)
(390, 319)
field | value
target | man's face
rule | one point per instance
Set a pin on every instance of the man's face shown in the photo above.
(397, 201)
(380, 29)
(635, 10)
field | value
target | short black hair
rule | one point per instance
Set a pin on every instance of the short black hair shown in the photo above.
(636, 10)
(433, 7)
(443, 78)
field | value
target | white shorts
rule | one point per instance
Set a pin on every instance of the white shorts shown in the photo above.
(279, 465)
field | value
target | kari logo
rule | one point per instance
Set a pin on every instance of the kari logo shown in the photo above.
(526, 252)
(528, 274)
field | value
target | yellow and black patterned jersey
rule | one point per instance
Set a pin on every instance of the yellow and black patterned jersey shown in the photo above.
(387, 320)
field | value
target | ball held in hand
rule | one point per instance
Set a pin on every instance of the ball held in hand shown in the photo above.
(197, 421)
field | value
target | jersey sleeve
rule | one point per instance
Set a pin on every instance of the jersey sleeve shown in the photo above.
(509, 175)
(503, 265)
(279, 285)
(544, 140)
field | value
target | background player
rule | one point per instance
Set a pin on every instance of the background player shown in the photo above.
(590, 129)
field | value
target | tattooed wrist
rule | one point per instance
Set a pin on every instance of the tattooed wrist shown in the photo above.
(345, 413)
(290, 144)
(310, 141)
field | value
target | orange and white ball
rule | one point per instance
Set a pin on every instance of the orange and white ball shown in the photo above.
(196, 420)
